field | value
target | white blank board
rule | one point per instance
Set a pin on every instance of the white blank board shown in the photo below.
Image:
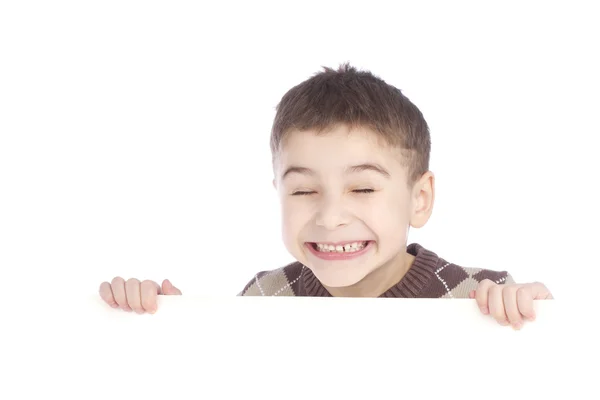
(291, 348)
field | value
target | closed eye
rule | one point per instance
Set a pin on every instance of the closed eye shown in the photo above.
(300, 193)
(306, 193)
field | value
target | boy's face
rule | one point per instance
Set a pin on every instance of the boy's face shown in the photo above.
(346, 205)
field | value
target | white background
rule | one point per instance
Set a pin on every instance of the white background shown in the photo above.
(223, 348)
(134, 135)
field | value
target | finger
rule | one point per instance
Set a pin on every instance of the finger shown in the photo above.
(481, 295)
(539, 291)
(496, 304)
(118, 288)
(132, 289)
(511, 308)
(525, 303)
(169, 289)
(107, 295)
(149, 291)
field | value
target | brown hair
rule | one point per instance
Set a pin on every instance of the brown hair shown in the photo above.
(356, 99)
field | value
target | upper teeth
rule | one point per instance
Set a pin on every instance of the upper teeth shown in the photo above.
(348, 247)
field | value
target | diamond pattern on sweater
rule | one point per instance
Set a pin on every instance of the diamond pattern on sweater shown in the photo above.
(491, 275)
(429, 277)
(452, 275)
(461, 291)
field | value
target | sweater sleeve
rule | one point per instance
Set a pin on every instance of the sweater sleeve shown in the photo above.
(509, 279)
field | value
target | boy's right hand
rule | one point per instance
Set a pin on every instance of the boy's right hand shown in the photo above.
(135, 295)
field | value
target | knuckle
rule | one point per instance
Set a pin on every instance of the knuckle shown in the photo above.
(148, 285)
(117, 280)
(496, 289)
(510, 288)
(509, 291)
(106, 293)
(485, 282)
(132, 281)
(487, 285)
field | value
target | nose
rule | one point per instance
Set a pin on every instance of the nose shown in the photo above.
(331, 213)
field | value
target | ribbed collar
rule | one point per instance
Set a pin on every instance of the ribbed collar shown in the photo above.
(417, 278)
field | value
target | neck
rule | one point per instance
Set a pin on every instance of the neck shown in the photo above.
(378, 281)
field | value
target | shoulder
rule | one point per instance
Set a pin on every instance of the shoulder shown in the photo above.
(450, 280)
(278, 282)
(460, 281)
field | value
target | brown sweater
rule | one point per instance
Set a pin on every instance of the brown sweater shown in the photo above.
(428, 277)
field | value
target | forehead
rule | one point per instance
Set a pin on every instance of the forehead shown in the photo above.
(337, 147)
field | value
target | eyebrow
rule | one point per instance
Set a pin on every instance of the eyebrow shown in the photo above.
(349, 170)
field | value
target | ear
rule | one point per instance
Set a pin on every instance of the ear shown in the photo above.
(422, 198)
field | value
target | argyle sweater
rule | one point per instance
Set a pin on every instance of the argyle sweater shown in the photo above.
(428, 277)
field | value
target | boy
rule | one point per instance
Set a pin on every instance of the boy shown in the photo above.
(351, 167)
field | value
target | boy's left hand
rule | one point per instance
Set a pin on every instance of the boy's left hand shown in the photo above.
(509, 304)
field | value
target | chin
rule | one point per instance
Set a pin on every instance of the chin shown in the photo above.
(341, 276)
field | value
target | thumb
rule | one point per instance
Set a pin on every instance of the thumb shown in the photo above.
(539, 291)
(169, 289)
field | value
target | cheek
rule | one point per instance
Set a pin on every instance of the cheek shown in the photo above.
(388, 218)
(293, 220)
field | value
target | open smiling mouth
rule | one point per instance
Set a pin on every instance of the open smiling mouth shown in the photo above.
(339, 250)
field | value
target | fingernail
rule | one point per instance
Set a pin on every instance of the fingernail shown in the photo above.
(484, 310)
(114, 305)
(517, 325)
(152, 310)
